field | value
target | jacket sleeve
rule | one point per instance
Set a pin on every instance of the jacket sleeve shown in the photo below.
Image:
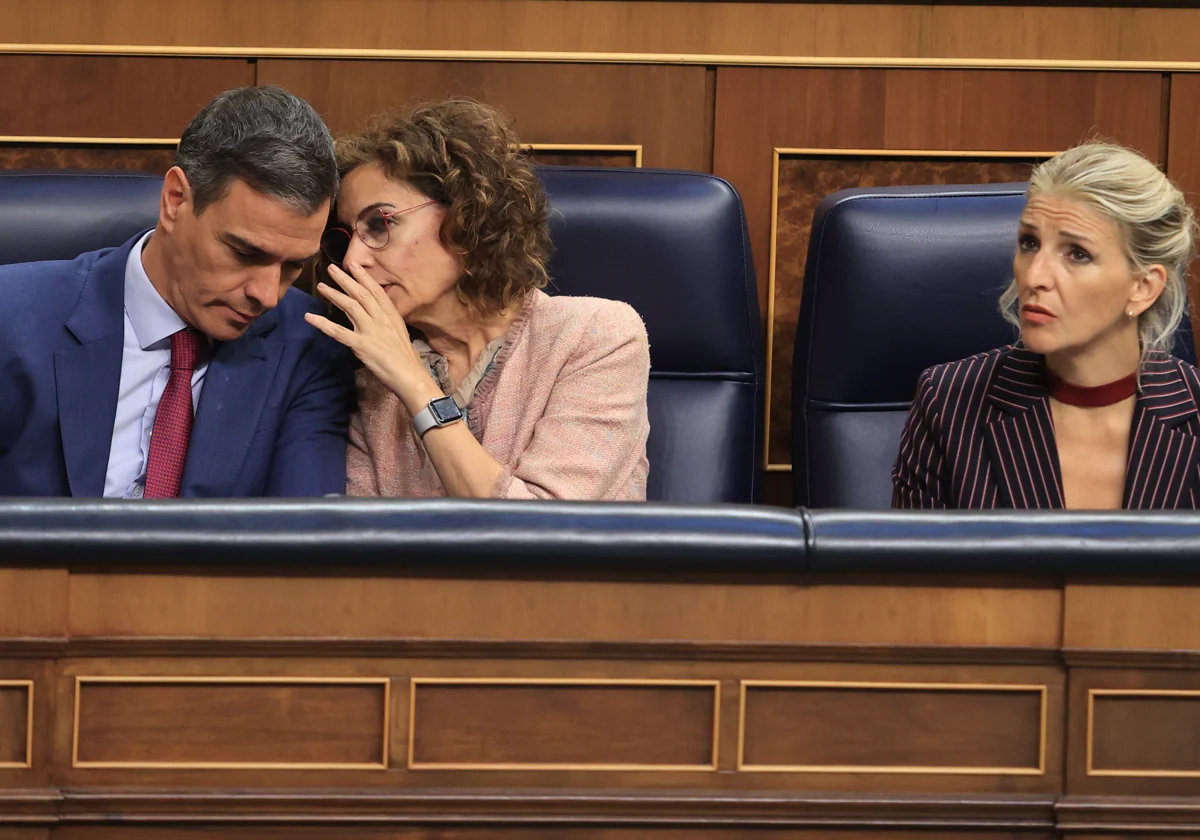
(310, 448)
(917, 477)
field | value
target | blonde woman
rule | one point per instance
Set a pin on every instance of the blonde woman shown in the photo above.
(1087, 410)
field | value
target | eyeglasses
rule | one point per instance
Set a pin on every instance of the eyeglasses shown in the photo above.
(373, 228)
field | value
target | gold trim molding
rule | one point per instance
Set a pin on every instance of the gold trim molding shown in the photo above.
(627, 148)
(382, 682)
(413, 764)
(27, 764)
(783, 151)
(1039, 770)
(1093, 693)
(62, 140)
(584, 57)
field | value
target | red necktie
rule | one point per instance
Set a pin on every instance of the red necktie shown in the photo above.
(173, 422)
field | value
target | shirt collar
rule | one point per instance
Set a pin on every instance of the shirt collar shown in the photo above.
(153, 319)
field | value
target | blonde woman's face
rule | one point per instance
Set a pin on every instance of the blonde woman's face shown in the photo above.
(414, 268)
(1075, 285)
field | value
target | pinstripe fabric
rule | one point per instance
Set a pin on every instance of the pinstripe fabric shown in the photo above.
(979, 435)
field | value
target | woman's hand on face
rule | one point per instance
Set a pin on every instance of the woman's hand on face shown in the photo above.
(380, 336)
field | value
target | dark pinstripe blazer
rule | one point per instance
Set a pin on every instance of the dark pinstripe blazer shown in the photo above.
(979, 435)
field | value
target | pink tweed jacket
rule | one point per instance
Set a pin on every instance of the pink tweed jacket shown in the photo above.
(562, 409)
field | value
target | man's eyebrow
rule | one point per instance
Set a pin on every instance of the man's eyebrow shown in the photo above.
(258, 253)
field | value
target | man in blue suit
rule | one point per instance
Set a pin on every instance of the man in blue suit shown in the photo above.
(180, 364)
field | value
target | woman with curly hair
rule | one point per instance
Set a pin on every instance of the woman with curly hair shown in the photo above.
(475, 383)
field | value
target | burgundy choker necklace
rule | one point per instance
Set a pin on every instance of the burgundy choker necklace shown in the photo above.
(1091, 397)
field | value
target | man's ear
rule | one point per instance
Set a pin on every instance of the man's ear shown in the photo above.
(1146, 289)
(176, 198)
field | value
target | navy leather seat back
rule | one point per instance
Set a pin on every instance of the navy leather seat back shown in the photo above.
(898, 279)
(60, 215)
(672, 244)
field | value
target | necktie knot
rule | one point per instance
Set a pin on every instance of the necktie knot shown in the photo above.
(186, 347)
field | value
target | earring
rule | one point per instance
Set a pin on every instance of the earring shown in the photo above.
(1130, 313)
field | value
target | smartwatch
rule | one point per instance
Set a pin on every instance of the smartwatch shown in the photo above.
(440, 412)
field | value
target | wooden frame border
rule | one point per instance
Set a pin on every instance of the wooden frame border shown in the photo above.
(28, 763)
(635, 148)
(1040, 770)
(594, 57)
(385, 682)
(715, 685)
(785, 151)
(1132, 692)
(169, 142)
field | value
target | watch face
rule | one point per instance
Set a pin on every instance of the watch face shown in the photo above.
(445, 410)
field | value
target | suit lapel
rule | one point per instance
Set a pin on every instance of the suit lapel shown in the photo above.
(1020, 433)
(1163, 461)
(87, 377)
(236, 386)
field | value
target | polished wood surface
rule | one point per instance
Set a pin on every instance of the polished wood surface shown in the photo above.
(893, 30)
(230, 723)
(926, 612)
(661, 108)
(104, 96)
(610, 703)
(497, 725)
(894, 728)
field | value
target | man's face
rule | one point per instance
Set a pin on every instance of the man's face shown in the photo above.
(237, 259)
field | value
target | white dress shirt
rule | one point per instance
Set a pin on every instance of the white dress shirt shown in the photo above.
(145, 368)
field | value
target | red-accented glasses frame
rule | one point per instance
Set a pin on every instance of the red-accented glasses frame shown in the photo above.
(335, 242)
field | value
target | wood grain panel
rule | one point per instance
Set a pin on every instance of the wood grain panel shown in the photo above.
(731, 27)
(803, 181)
(1133, 732)
(232, 723)
(16, 723)
(1148, 732)
(1132, 617)
(936, 110)
(893, 728)
(601, 724)
(1183, 158)
(535, 832)
(33, 603)
(871, 612)
(53, 156)
(662, 108)
(107, 96)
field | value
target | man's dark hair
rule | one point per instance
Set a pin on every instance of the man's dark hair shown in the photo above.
(273, 141)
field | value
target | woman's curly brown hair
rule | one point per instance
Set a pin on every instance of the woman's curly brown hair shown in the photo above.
(466, 155)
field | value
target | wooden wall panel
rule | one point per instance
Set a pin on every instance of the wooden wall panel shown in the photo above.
(536, 832)
(638, 26)
(761, 109)
(214, 606)
(230, 723)
(1133, 731)
(54, 156)
(1153, 732)
(663, 109)
(894, 728)
(500, 724)
(1183, 159)
(105, 96)
(16, 720)
(33, 603)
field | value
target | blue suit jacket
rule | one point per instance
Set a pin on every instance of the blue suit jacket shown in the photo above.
(272, 414)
